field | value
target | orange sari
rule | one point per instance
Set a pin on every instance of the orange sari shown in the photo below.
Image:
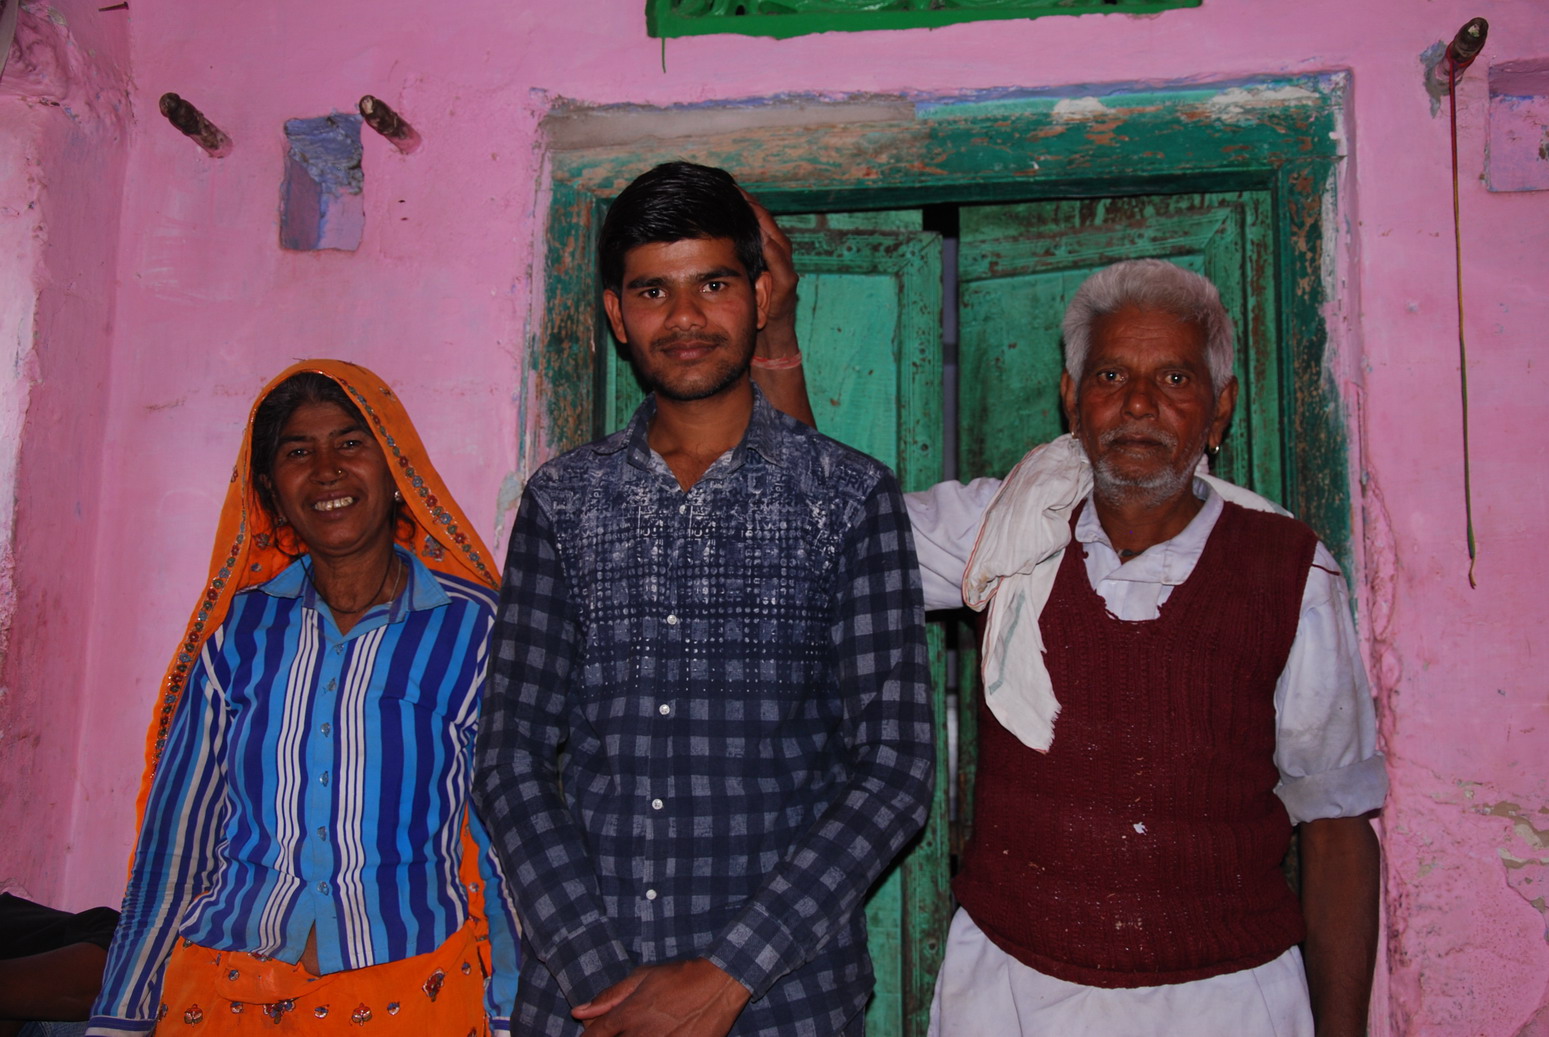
(246, 554)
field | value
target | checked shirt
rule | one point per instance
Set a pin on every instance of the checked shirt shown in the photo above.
(708, 727)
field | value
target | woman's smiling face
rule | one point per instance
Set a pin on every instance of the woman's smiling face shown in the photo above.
(332, 482)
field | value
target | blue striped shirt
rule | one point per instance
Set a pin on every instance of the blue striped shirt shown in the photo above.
(314, 780)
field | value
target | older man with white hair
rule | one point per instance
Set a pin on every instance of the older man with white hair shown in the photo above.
(1172, 681)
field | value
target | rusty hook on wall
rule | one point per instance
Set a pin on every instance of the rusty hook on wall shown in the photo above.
(1467, 44)
(191, 122)
(389, 124)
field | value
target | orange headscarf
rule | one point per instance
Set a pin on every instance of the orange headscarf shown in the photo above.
(246, 553)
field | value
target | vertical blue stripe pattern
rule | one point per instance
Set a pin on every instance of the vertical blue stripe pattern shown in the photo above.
(316, 781)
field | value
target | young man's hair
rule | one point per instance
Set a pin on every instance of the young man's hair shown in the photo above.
(674, 201)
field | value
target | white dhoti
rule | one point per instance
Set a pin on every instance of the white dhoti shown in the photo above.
(984, 992)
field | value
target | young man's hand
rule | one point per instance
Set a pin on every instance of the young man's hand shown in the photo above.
(691, 998)
(777, 339)
(785, 384)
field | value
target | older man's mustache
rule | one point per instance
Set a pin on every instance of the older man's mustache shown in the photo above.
(1144, 433)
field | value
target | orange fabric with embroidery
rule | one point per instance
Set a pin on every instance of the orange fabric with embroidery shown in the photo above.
(231, 993)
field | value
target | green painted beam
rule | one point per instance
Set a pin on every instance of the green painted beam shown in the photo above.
(783, 19)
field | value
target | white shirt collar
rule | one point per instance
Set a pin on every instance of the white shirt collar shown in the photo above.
(1169, 562)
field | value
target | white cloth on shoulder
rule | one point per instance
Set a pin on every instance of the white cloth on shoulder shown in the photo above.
(1012, 568)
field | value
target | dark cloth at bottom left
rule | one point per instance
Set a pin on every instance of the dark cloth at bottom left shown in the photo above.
(28, 928)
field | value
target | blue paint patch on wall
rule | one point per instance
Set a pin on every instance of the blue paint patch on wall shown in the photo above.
(1517, 158)
(321, 200)
(1435, 74)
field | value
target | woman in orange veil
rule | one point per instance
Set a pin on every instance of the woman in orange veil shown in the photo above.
(307, 861)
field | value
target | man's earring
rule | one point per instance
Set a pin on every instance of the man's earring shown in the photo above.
(397, 496)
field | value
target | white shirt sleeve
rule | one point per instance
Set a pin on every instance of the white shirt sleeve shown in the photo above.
(1326, 726)
(946, 520)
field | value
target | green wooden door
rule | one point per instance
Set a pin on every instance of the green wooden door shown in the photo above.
(869, 320)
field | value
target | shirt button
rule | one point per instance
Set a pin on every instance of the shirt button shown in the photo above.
(324, 778)
(682, 509)
(322, 887)
(672, 621)
(326, 728)
(664, 709)
(338, 650)
(331, 685)
(656, 804)
(650, 894)
(322, 833)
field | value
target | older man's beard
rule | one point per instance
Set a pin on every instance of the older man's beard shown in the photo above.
(1151, 489)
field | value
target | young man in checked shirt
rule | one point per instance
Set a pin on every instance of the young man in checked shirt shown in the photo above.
(708, 728)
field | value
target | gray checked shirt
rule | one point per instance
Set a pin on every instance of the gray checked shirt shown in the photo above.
(708, 725)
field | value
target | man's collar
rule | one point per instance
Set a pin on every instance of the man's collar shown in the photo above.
(1172, 560)
(762, 436)
(764, 430)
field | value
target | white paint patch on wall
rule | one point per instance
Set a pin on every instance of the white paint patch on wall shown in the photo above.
(1077, 109)
(21, 242)
(1238, 103)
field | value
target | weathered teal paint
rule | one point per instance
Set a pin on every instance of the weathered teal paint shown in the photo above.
(786, 18)
(871, 299)
(1271, 145)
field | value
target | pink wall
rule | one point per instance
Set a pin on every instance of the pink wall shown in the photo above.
(64, 114)
(440, 300)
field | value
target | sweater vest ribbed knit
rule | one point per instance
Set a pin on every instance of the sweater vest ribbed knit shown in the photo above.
(1145, 847)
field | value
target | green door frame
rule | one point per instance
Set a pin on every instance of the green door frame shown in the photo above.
(1283, 135)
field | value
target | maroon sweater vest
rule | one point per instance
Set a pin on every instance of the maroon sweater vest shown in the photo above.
(1145, 847)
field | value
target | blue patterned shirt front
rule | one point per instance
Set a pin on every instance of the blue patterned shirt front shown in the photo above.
(708, 728)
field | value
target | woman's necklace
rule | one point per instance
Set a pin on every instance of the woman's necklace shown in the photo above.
(392, 564)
